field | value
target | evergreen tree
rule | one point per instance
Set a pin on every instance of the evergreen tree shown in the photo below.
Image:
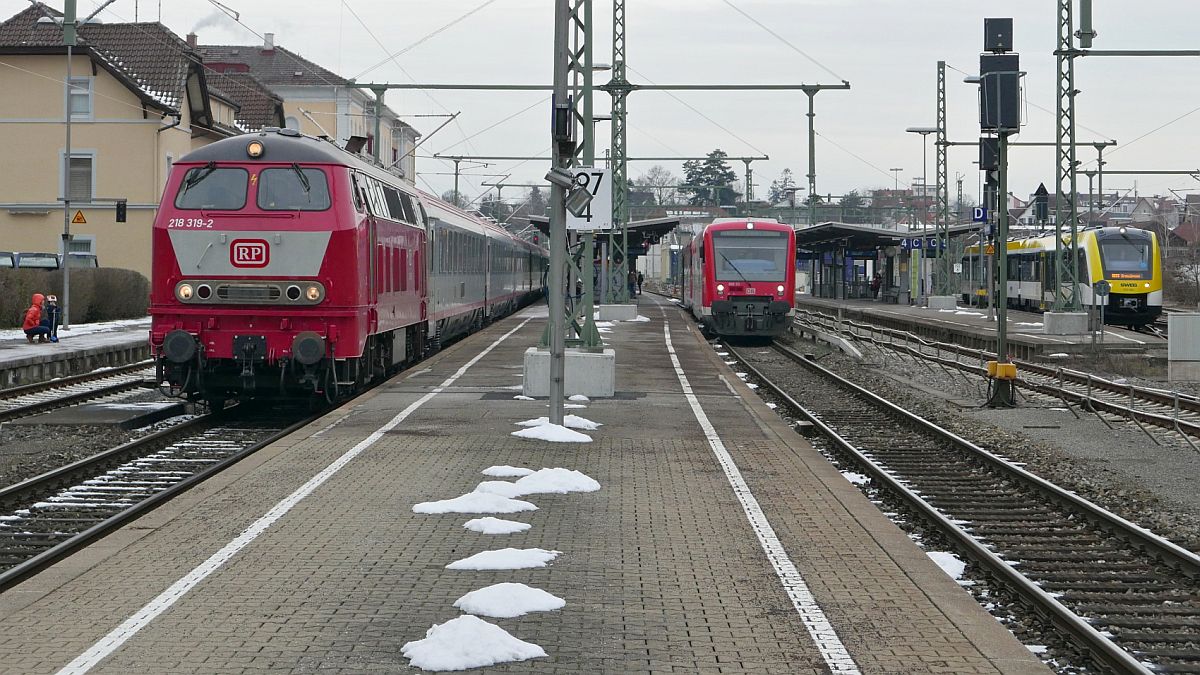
(710, 181)
(536, 202)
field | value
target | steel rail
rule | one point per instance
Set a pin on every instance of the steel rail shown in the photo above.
(68, 400)
(1185, 401)
(25, 389)
(24, 570)
(1100, 646)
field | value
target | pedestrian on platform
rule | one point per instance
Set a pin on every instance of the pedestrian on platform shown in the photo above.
(33, 325)
(640, 279)
(632, 278)
(53, 316)
(876, 282)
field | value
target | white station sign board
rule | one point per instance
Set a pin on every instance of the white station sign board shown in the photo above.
(598, 215)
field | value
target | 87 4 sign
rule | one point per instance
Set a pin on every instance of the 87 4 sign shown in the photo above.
(598, 215)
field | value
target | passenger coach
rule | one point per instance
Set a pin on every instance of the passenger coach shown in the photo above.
(286, 267)
(739, 277)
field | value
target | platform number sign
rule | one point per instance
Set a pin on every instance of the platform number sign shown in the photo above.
(598, 215)
(979, 214)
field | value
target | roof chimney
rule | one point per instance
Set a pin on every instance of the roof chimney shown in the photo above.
(191, 40)
(268, 42)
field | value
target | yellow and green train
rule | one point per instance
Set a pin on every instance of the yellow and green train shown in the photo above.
(1127, 258)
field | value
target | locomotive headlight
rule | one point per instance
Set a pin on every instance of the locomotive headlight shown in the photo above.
(720, 288)
(779, 288)
(313, 293)
(254, 149)
(184, 291)
(1147, 284)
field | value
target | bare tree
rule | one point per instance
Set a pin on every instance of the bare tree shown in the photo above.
(661, 183)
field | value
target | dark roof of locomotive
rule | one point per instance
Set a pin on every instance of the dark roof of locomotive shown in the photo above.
(285, 147)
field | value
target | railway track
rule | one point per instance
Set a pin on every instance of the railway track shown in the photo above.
(43, 396)
(49, 517)
(1168, 410)
(1127, 600)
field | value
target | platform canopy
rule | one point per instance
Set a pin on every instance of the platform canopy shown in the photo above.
(642, 233)
(829, 235)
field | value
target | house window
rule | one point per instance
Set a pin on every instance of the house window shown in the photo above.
(83, 243)
(81, 169)
(79, 97)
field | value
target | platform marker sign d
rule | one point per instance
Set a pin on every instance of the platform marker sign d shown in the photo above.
(979, 214)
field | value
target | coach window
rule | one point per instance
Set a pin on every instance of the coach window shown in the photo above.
(357, 191)
(293, 189)
(207, 187)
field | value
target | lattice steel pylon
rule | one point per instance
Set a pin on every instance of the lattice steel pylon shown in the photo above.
(945, 279)
(1065, 206)
(619, 88)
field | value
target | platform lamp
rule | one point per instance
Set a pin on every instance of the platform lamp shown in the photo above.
(924, 132)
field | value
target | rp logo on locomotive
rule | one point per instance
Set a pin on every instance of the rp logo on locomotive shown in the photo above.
(251, 253)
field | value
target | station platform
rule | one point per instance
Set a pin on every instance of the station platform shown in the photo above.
(81, 349)
(969, 327)
(718, 541)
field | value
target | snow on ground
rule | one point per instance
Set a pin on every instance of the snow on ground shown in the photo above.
(742, 375)
(508, 600)
(467, 642)
(523, 397)
(722, 353)
(553, 433)
(752, 385)
(78, 329)
(731, 363)
(506, 471)
(579, 398)
(490, 525)
(571, 406)
(475, 502)
(639, 319)
(544, 481)
(856, 478)
(961, 313)
(569, 421)
(949, 563)
(772, 406)
(1031, 324)
(505, 559)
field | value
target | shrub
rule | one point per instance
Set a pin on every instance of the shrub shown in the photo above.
(102, 294)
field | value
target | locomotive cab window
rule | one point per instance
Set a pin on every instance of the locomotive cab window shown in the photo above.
(751, 255)
(213, 188)
(293, 189)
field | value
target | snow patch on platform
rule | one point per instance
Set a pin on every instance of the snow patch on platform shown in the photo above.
(508, 600)
(490, 525)
(467, 642)
(505, 559)
(475, 502)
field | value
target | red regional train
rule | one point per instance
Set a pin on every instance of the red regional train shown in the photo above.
(739, 277)
(286, 267)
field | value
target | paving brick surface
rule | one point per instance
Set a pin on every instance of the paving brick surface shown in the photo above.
(660, 568)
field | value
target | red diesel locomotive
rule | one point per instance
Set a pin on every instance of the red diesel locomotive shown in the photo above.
(739, 277)
(286, 267)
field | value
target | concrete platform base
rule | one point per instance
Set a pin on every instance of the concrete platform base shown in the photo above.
(121, 415)
(592, 374)
(1064, 323)
(1183, 371)
(618, 312)
(943, 301)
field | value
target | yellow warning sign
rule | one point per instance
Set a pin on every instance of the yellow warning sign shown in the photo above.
(991, 250)
(79, 219)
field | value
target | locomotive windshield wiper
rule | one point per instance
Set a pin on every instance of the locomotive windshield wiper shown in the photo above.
(303, 178)
(200, 175)
(735, 268)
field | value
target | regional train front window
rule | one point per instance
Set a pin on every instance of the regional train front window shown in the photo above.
(1125, 258)
(212, 188)
(750, 255)
(293, 189)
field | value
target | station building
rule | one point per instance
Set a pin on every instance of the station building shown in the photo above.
(140, 97)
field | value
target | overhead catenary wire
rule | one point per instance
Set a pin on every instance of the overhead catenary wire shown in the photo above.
(852, 154)
(424, 39)
(782, 39)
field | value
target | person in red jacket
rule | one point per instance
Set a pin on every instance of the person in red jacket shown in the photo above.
(33, 325)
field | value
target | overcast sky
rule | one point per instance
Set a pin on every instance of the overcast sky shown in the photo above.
(887, 49)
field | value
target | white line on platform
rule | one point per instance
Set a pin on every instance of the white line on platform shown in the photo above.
(828, 643)
(142, 618)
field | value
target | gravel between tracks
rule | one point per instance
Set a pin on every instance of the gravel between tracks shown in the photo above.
(28, 451)
(1120, 469)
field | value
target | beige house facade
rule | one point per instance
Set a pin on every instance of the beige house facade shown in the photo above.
(319, 102)
(138, 99)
